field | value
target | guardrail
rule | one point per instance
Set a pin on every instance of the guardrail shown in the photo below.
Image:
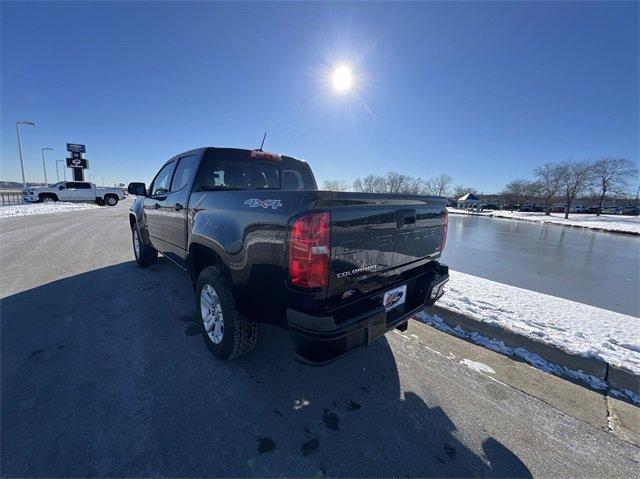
(11, 199)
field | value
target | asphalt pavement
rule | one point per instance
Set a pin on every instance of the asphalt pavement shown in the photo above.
(104, 373)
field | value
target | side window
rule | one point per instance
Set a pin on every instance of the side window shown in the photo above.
(83, 186)
(71, 185)
(184, 171)
(266, 176)
(160, 184)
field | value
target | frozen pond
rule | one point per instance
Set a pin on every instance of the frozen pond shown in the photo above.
(600, 269)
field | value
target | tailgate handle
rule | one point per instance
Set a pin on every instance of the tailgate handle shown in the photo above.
(406, 218)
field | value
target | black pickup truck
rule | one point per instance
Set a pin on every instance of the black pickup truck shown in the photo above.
(262, 245)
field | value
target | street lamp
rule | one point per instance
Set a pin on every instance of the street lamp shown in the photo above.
(63, 170)
(43, 165)
(18, 123)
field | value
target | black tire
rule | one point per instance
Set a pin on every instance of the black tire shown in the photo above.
(239, 335)
(111, 200)
(145, 254)
(48, 198)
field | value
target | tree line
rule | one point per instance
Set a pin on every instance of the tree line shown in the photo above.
(559, 182)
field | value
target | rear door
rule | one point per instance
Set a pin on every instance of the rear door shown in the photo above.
(69, 193)
(73, 192)
(174, 208)
(84, 191)
(154, 202)
(375, 238)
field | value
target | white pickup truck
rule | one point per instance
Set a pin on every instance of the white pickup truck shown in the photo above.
(74, 191)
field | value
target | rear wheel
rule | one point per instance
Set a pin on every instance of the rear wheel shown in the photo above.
(111, 200)
(226, 332)
(145, 254)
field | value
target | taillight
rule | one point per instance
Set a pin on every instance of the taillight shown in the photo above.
(445, 230)
(309, 251)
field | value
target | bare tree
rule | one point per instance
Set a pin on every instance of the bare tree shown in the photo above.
(610, 175)
(438, 186)
(335, 185)
(575, 178)
(548, 181)
(370, 184)
(519, 191)
(461, 190)
(392, 182)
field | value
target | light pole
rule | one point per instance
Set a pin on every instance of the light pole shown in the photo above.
(18, 123)
(43, 165)
(63, 170)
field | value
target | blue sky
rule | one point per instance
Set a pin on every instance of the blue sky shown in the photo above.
(481, 91)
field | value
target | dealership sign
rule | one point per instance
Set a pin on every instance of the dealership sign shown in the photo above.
(75, 147)
(77, 163)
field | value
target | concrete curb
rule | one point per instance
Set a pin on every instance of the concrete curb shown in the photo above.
(615, 376)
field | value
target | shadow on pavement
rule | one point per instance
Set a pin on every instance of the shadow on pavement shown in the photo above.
(105, 374)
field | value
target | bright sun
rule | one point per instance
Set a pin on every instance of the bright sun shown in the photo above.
(342, 78)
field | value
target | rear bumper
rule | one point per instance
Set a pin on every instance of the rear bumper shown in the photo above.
(321, 340)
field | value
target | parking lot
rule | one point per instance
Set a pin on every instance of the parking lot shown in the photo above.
(104, 373)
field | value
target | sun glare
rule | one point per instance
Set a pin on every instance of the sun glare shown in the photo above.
(342, 78)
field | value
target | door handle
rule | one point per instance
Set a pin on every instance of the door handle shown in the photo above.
(156, 206)
(178, 207)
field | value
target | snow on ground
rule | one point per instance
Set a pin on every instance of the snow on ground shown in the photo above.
(613, 223)
(28, 209)
(574, 327)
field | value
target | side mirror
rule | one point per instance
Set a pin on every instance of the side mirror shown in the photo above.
(61, 187)
(138, 189)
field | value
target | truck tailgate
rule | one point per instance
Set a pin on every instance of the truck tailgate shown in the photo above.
(377, 237)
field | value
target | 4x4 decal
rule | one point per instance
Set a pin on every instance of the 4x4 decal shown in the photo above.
(254, 203)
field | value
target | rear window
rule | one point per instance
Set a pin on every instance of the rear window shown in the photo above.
(232, 169)
(296, 175)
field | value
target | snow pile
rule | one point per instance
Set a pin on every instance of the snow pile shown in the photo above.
(574, 327)
(28, 209)
(614, 223)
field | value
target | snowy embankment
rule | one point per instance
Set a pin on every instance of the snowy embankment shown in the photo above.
(28, 209)
(612, 223)
(576, 328)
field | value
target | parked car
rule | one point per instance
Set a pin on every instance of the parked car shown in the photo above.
(262, 245)
(611, 210)
(531, 208)
(490, 206)
(510, 207)
(632, 211)
(73, 191)
(557, 209)
(579, 209)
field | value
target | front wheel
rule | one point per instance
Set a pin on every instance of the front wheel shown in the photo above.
(49, 199)
(226, 332)
(145, 254)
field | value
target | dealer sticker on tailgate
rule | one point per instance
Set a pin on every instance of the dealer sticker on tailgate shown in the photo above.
(394, 297)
